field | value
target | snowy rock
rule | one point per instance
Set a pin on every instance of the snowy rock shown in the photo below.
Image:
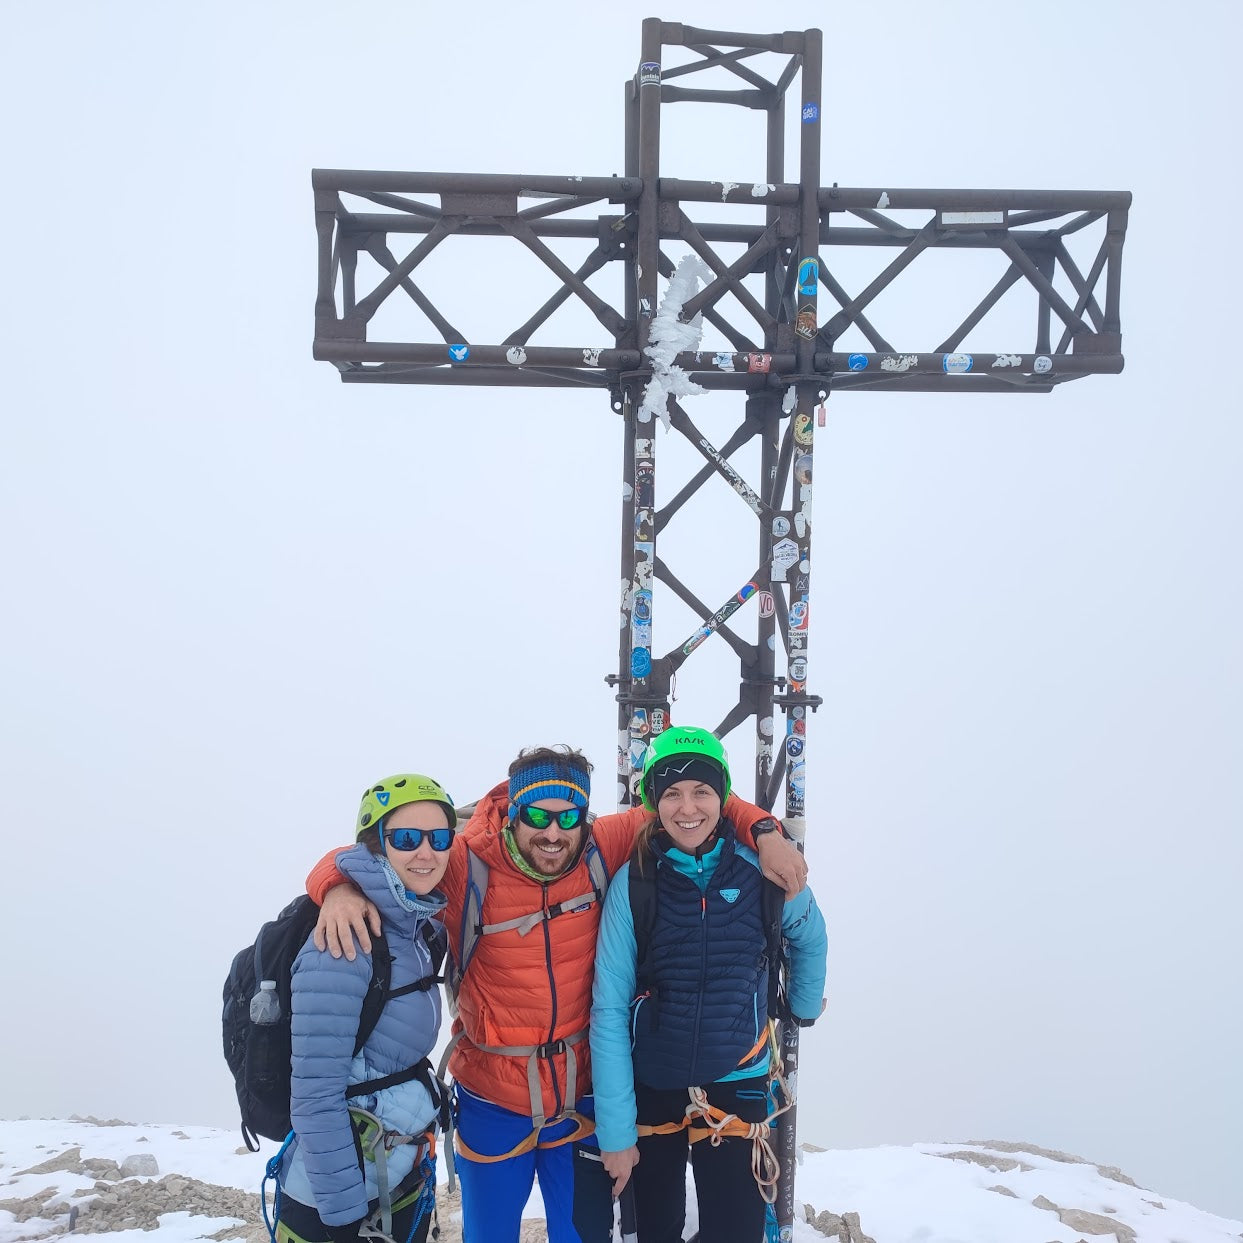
(70, 1159)
(1111, 1172)
(1087, 1223)
(1003, 1165)
(844, 1228)
(139, 1164)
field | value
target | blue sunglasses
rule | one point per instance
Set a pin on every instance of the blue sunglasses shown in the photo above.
(412, 839)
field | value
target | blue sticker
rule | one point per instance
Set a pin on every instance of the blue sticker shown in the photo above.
(957, 364)
(811, 112)
(794, 746)
(857, 362)
(808, 277)
(382, 797)
(459, 353)
(640, 662)
(649, 73)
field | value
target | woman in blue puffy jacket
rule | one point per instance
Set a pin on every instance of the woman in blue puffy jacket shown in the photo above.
(365, 1161)
(679, 1020)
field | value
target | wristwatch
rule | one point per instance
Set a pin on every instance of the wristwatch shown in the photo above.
(765, 826)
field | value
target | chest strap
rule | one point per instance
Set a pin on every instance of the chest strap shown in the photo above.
(524, 924)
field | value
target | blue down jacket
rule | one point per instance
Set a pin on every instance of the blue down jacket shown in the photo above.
(321, 1167)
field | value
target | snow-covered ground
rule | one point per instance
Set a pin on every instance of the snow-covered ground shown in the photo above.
(930, 1193)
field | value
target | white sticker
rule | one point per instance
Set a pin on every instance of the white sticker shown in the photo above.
(973, 217)
(785, 554)
(516, 355)
(957, 364)
(781, 525)
(724, 361)
(899, 362)
(591, 357)
(1043, 364)
(1007, 360)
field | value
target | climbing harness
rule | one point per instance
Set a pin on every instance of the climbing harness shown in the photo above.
(375, 1143)
(703, 1120)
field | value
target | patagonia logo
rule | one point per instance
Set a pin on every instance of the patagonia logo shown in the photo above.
(730, 895)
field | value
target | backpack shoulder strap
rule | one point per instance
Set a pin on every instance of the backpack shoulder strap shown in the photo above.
(471, 927)
(597, 870)
(772, 907)
(643, 914)
(377, 990)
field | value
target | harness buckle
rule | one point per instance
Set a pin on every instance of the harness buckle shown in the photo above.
(550, 1049)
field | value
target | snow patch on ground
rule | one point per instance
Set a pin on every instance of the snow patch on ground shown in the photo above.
(207, 1189)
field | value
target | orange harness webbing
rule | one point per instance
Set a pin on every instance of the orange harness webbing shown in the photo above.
(585, 1126)
(703, 1120)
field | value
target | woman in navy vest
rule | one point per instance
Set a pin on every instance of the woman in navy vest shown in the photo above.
(680, 1006)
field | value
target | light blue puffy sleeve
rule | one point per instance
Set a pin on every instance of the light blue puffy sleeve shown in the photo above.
(613, 991)
(808, 939)
(327, 1003)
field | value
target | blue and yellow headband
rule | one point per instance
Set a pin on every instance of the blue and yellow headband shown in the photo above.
(550, 780)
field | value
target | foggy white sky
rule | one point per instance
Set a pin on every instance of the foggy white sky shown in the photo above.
(238, 591)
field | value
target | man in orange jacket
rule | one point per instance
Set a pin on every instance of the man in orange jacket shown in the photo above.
(525, 885)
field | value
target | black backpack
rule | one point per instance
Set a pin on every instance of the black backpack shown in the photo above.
(259, 1054)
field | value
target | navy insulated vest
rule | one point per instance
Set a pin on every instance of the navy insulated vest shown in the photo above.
(702, 999)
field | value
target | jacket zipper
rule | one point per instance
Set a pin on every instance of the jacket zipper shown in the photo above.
(703, 967)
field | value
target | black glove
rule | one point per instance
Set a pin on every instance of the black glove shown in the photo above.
(347, 1233)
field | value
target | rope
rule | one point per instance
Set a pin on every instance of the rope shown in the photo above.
(703, 1120)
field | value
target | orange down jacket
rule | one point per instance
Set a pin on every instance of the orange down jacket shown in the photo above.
(533, 989)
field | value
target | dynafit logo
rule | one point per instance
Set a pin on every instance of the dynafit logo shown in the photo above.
(730, 895)
(382, 797)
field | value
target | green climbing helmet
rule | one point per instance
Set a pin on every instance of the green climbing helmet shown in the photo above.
(394, 792)
(682, 740)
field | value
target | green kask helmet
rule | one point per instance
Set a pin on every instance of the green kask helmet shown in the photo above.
(683, 741)
(394, 792)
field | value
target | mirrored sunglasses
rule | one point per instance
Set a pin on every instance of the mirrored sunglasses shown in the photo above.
(542, 818)
(412, 839)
